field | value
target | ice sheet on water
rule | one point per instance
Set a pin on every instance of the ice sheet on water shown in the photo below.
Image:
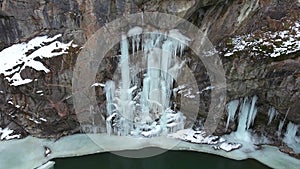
(14, 153)
(47, 165)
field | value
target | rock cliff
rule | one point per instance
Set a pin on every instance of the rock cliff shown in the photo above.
(246, 35)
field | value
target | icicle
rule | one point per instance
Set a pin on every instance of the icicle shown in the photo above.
(271, 113)
(110, 94)
(242, 124)
(126, 95)
(92, 114)
(290, 137)
(247, 115)
(282, 123)
(145, 97)
(151, 100)
(135, 32)
(231, 109)
(109, 123)
(280, 126)
(252, 112)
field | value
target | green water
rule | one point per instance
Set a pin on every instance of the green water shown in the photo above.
(167, 160)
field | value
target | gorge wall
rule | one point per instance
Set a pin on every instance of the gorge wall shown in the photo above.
(228, 24)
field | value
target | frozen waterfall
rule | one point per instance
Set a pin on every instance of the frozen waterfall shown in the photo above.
(247, 114)
(231, 110)
(291, 138)
(142, 106)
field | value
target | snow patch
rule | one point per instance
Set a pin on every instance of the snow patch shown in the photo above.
(228, 146)
(269, 44)
(17, 57)
(199, 137)
(6, 134)
(98, 84)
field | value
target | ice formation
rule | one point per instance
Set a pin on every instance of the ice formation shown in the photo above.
(281, 123)
(81, 144)
(291, 138)
(143, 106)
(247, 116)
(231, 110)
(247, 112)
(271, 113)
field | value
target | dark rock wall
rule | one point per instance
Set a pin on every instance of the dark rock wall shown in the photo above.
(275, 81)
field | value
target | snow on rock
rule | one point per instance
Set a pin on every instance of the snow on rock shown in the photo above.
(268, 44)
(155, 132)
(6, 134)
(193, 136)
(98, 84)
(228, 146)
(43, 119)
(17, 57)
(199, 137)
(186, 92)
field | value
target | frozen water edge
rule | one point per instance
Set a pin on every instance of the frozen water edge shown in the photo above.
(48, 165)
(29, 152)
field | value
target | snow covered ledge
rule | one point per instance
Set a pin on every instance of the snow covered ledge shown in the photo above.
(30, 152)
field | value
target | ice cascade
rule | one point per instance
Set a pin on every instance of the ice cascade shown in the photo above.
(271, 113)
(140, 103)
(247, 116)
(291, 138)
(231, 110)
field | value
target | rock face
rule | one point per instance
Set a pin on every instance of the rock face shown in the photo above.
(248, 72)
